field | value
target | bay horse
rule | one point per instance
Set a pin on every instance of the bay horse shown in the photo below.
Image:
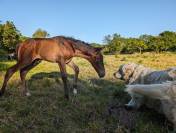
(59, 49)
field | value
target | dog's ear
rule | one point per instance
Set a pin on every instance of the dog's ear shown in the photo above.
(128, 71)
(129, 67)
(172, 72)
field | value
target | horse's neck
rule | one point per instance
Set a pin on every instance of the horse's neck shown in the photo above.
(83, 51)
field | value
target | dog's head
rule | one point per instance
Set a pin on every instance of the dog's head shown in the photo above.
(125, 71)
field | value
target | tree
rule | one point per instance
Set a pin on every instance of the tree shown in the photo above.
(165, 41)
(169, 38)
(157, 44)
(114, 43)
(145, 38)
(10, 36)
(23, 38)
(135, 45)
(39, 33)
(96, 45)
(117, 43)
(1, 35)
(107, 39)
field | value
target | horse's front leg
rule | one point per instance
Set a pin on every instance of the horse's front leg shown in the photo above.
(62, 66)
(76, 70)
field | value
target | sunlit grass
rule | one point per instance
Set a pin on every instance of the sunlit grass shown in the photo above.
(47, 110)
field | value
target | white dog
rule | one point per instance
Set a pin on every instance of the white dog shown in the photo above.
(133, 73)
(146, 87)
(161, 97)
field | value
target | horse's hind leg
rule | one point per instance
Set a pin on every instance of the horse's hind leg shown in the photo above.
(11, 71)
(8, 75)
(23, 73)
(76, 70)
(62, 66)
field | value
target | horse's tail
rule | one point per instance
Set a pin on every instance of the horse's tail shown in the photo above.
(18, 51)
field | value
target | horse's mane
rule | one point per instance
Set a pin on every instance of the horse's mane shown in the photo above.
(81, 45)
(77, 41)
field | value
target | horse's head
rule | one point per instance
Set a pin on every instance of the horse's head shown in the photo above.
(96, 59)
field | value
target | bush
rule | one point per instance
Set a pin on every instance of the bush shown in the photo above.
(3, 54)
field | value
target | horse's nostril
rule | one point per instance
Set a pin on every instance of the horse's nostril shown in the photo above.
(101, 75)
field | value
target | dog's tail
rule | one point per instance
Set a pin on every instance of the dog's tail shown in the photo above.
(156, 91)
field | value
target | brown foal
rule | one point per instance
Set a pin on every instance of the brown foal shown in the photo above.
(59, 50)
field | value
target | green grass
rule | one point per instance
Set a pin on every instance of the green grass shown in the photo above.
(94, 109)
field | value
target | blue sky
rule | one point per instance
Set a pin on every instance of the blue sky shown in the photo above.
(90, 20)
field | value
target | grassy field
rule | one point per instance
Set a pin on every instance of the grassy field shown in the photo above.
(93, 110)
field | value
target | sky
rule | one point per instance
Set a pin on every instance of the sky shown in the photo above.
(90, 20)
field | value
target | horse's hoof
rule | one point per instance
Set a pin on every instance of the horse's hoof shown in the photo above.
(128, 107)
(75, 91)
(67, 97)
(28, 94)
(1, 93)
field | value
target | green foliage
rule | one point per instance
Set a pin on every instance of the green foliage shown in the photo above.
(115, 44)
(3, 54)
(39, 33)
(96, 45)
(157, 44)
(165, 41)
(10, 36)
(23, 38)
(134, 45)
(1, 35)
(169, 38)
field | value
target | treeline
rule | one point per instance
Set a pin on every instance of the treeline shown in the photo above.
(10, 36)
(165, 41)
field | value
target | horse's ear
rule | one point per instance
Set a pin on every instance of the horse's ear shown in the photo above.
(98, 49)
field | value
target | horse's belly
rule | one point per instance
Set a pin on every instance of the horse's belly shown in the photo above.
(51, 57)
(54, 52)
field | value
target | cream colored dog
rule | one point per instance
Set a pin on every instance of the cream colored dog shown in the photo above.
(133, 73)
(161, 97)
(148, 86)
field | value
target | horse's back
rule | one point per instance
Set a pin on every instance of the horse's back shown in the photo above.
(47, 49)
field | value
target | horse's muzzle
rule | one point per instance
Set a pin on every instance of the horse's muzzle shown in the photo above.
(101, 75)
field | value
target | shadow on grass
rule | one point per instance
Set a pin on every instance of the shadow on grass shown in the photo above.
(89, 108)
(100, 87)
(94, 109)
(105, 94)
(110, 93)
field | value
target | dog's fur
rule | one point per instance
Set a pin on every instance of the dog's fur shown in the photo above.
(133, 73)
(146, 87)
(161, 97)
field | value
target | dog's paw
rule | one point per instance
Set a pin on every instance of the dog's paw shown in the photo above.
(1, 93)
